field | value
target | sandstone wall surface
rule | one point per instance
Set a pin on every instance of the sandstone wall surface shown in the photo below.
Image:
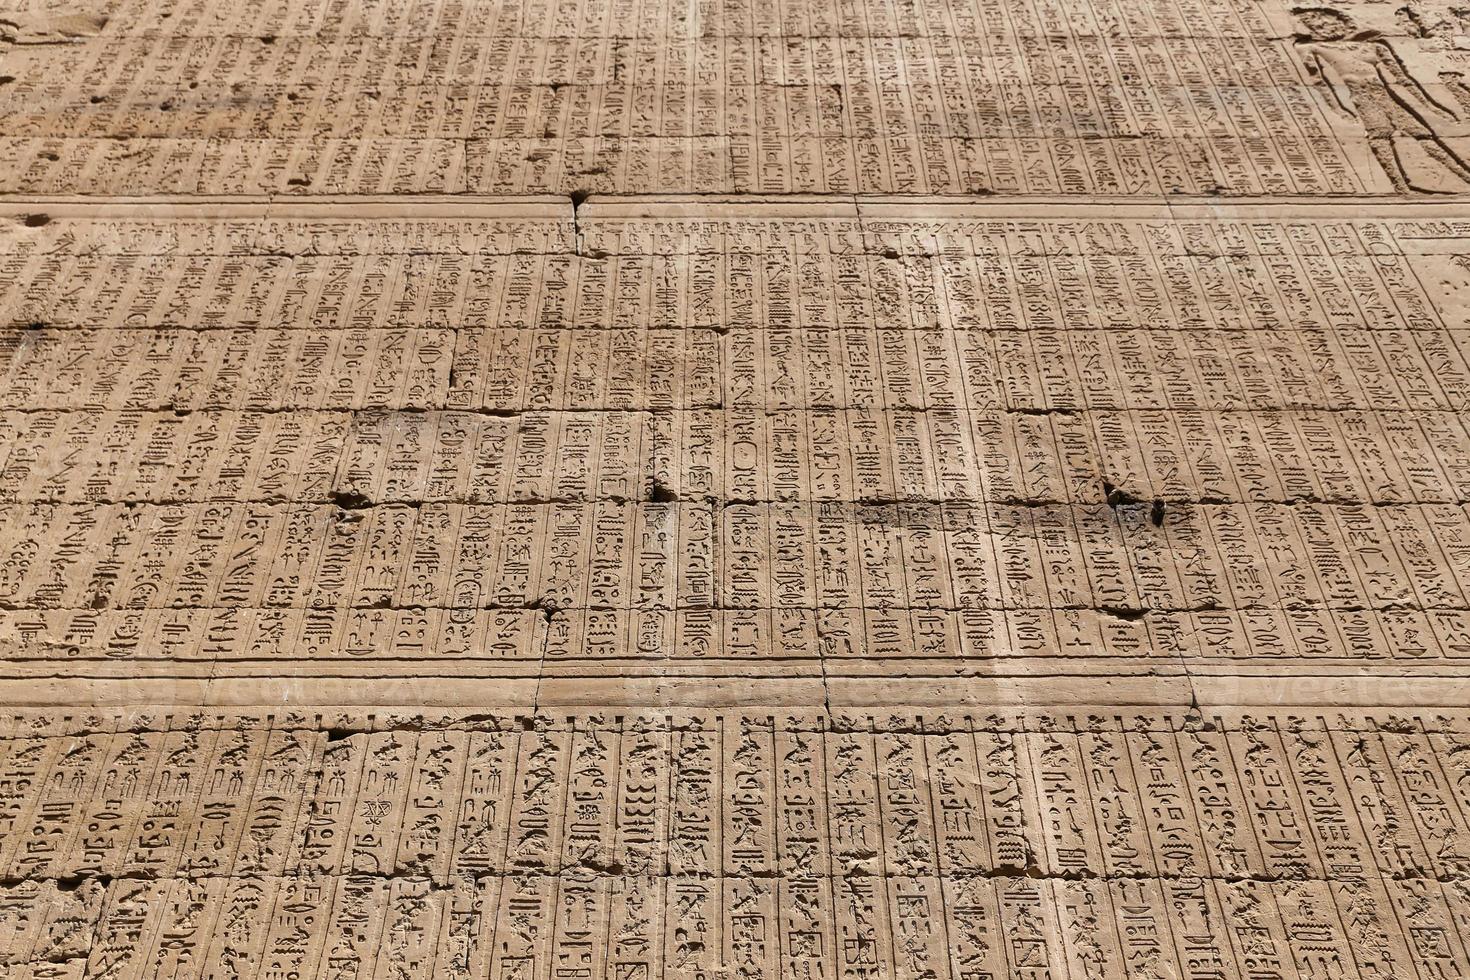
(611, 490)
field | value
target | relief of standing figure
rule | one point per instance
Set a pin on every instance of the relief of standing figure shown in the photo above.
(1413, 134)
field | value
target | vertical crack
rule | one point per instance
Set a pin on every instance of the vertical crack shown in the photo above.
(822, 663)
(541, 662)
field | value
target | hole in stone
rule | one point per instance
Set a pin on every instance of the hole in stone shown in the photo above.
(1116, 496)
(349, 499)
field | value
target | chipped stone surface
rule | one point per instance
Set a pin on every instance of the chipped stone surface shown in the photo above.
(716, 491)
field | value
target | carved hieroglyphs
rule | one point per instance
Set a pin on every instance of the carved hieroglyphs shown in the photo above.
(948, 845)
(790, 489)
(800, 449)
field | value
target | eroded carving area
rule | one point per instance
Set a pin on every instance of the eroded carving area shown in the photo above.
(1106, 97)
(804, 459)
(763, 844)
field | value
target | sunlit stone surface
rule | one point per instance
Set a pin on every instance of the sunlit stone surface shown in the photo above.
(722, 491)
